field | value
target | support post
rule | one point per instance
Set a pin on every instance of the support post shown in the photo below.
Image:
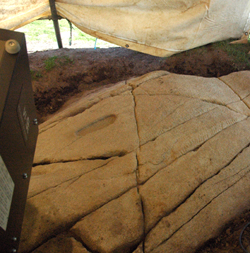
(55, 21)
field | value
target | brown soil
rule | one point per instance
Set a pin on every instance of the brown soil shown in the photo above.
(228, 241)
(78, 72)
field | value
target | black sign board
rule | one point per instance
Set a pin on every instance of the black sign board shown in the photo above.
(18, 134)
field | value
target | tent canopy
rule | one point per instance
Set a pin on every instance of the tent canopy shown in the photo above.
(157, 27)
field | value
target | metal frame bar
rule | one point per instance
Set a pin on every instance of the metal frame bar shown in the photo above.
(56, 24)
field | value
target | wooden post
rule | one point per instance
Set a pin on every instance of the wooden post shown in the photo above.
(55, 21)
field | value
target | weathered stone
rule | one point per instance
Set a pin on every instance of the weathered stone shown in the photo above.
(199, 218)
(59, 207)
(206, 89)
(159, 114)
(183, 138)
(172, 185)
(159, 163)
(238, 82)
(63, 243)
(106, 129)
(49, 176)
(214, 189)
(240, 107)
(72, 108)
(135, 82)
(168, 101)
(247, 101)
(115, 227)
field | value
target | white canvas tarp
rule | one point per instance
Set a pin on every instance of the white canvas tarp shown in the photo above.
(157, 27)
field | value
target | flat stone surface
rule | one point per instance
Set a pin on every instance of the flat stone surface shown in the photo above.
(143, 166)
(183, 138)
(106, 129)
(201, 215)
(49, 176)
(172, 185)
(58, 207)
(238, 82)
(115, 227)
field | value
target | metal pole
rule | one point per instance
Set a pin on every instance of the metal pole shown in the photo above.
(55, 21)
(70, 37)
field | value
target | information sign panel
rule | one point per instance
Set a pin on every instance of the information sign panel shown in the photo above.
(6, 193)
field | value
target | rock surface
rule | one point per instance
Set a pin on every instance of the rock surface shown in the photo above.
(159, 163)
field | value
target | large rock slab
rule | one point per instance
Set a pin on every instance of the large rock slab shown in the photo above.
(159, 163)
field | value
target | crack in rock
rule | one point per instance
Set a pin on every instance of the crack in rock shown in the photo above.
(137, 179)
(208, 161)
(168, 154)
(240, 98)
(200, 210)
(99, 186)
(188, 209)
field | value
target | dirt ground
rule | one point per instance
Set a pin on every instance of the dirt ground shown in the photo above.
(60, 75)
